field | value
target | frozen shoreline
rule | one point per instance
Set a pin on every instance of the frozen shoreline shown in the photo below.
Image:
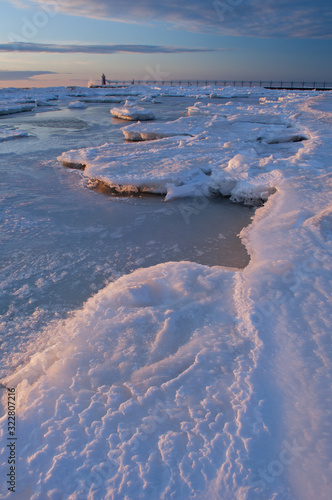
(227, 394)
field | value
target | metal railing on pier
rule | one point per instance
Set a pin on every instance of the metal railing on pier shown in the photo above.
(287, 85)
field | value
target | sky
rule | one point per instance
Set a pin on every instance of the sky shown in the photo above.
(72, 42)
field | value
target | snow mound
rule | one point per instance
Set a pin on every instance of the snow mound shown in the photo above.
(150, 98)
(132, 113)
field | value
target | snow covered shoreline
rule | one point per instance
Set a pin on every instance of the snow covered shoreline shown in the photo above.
(196, 382)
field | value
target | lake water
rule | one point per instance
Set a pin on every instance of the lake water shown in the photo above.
(62, 242)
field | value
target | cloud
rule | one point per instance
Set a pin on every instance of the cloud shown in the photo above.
(259, 18)
(97, 49)
(22, 75)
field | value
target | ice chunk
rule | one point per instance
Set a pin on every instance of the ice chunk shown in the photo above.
(134, 113)
(77, 105)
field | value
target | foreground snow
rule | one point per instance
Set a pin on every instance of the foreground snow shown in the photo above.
(184, 381)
